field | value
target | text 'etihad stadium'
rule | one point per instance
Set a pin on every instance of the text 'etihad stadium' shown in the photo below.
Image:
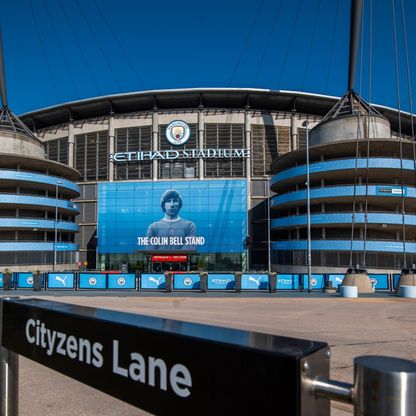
(180, 154)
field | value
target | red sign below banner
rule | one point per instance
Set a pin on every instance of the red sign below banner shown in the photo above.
(169, 258)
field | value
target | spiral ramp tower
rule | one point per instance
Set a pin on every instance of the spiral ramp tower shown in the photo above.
(37, 217)
(358, 186)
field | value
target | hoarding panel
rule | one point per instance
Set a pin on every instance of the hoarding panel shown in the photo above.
(152, 281)
(92, 281)
(186, 281)
(216, 281)
(121, 281)
(254, 281)
(60, 281)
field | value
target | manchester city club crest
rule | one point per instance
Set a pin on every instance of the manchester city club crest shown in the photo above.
(178, 132)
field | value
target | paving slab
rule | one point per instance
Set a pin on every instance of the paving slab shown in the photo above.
(370, 325)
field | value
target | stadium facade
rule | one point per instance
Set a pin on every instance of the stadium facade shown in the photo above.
(214, 148)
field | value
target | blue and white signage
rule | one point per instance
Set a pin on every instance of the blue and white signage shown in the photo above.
(379, 281)
(335, 279)
(396, 278)
(254, 281)
(25, 280)
(287, 282)
(187, 281)
(391, 190)
(152, 281)
(61, 281)
(317, 281)
(178, 132)
(121, 281)
(221, 281)
(92, 281)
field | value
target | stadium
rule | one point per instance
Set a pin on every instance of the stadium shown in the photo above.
(216, 149)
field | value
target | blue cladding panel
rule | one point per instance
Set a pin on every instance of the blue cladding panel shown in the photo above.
(92, 281)
(221, 281)
(61, 281)
(154, 281)
(186, 281)
(254, 281)
(121, 281)
(130, 214)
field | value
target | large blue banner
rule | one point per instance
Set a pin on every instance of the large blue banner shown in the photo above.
(317, 281)
(202, 216)
(287, 282)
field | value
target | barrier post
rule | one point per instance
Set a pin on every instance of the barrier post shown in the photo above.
(272, 282)
(238, 281)
(168, 282)
(9, 377)
(37, 281)
(203, 276)
(7, 280)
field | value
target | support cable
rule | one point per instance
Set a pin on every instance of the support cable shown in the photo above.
(289, 45)
(361, 52)
(368, 134)
(68, 67)
(355, 189)
(400, 134)
(80, 48)
(97, 41)
(250, 32)
(409, 91)
(276, 18)
(119, 44)
(44, 52)
(308, 59)
(331, 54)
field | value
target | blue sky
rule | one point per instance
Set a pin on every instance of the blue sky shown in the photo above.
(58, 51)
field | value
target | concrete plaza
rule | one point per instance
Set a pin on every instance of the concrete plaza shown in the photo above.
(378, 324)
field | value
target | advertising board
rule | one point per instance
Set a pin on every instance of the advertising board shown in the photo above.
(171, 216)
(92, 281)
(60, 281)
(152, 281)
(186, 281)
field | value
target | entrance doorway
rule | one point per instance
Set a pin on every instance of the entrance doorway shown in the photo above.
(169, 262)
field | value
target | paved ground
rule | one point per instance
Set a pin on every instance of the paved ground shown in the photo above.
(380, 324)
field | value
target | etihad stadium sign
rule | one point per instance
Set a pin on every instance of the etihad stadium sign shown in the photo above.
(180, 154)
(178, 133)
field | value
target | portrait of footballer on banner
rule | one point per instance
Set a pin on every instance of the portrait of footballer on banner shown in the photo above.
(172, 232)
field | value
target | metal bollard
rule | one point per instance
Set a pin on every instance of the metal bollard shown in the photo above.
(384, 386)
(9, 377)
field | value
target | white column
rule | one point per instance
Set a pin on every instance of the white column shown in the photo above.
(293, 132)
(201, 133)
(155, 136)
(71, 145)
(112, 146)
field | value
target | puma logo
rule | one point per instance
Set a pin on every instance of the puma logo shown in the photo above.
(256, 281)
(61, 279)
(157, 281)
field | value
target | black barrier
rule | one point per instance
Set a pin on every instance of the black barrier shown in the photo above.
(164, 366)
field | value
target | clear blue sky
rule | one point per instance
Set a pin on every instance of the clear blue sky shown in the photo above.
(64, 50)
